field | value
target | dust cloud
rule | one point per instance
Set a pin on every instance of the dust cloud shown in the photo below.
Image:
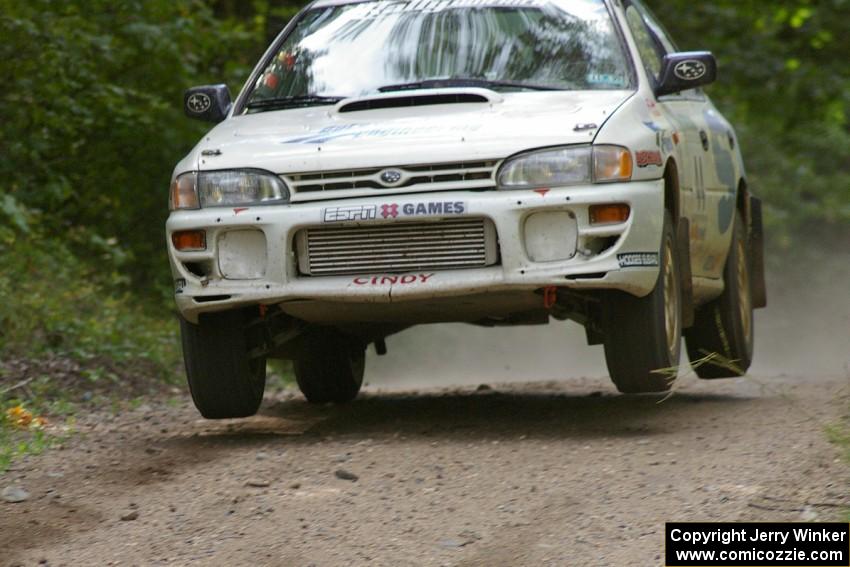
(805, 332)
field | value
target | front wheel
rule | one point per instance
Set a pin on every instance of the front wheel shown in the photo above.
(643, 335)
(720, 344)
(226, 378)
(330, 367)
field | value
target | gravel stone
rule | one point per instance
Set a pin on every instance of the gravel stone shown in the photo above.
(14, 494)
(346, 475)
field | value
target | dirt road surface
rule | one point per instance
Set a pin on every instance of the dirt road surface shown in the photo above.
(421, 471)
(533, 474)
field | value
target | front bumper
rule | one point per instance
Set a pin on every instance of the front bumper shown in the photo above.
(614, 256)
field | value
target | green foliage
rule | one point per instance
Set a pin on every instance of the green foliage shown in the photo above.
(92, 126)
(784, 83)
(54, 302)
(15, 444)
(92, 115)
(22, 433)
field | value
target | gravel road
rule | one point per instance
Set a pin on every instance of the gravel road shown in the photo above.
(422, 472)
(560, 473)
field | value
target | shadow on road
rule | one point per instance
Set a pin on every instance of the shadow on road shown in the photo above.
(467, 416)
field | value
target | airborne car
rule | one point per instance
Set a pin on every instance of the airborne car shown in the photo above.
(496, 162)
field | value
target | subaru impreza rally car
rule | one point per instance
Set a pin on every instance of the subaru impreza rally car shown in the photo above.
(496, 162)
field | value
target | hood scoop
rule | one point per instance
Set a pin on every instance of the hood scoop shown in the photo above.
(406, 99)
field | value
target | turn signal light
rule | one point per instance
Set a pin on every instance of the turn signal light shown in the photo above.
(184, 193)
(611, 163)
(609, 214)
(189, 240)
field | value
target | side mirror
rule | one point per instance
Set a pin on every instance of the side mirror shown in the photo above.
(686, 70)
(209, 103)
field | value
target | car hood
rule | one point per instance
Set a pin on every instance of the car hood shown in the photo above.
(323, 138)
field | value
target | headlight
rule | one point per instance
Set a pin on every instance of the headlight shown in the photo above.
(227, 189)
(571, 165)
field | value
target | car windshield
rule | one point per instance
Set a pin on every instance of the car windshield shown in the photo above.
(378, 46)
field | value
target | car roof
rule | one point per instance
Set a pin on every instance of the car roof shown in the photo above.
(324, 3)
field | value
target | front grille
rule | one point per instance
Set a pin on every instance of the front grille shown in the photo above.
(360, 182)
(448, 244)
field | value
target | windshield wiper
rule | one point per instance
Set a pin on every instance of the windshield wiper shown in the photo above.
(292, 102)
(466, 82)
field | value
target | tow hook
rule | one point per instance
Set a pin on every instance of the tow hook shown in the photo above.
(550, 297)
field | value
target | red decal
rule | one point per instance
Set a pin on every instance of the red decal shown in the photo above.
(389, 211)
(389, 279)
(647, 158)
(542, 192)
(240, 210)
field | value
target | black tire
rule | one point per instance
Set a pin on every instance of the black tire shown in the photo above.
(644, 334)
(720, 344)
(330, 367)
(224, 380)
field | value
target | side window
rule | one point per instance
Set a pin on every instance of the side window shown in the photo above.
(657, 30)
(649, 52)
(657, 37)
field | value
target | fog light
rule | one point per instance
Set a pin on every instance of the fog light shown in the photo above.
(242, 254)
(609, 214)
(189, 240)
(551, 236)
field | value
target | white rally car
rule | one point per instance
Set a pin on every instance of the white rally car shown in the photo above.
(496, 162)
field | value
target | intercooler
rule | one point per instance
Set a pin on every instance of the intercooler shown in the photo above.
(448, 244)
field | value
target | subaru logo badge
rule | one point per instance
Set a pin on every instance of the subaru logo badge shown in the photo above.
(690, 70)
(391, 177)
(198, 103)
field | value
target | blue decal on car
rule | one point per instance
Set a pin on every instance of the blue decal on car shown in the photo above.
(365, 131)
(724, 163)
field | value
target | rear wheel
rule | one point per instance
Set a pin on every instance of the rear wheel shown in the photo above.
(330, 367)
(225, 379)
(720, 344)
(644, 334)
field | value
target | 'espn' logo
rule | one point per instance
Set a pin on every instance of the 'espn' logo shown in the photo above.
(354, 213)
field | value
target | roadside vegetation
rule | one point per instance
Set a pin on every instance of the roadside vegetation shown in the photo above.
(92, 125)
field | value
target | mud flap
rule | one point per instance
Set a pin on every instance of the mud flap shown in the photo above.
(757, 272)
(683, 241)
(594, 336)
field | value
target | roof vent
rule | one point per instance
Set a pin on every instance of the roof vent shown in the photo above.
(411, 100)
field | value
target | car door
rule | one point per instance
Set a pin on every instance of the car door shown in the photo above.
(685, 112)
(721, 184)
